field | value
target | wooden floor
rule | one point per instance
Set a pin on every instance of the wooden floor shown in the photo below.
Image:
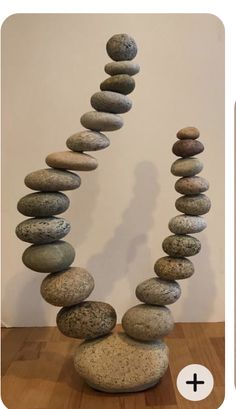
(38, 372)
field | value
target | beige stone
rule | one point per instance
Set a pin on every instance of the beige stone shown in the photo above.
(72, 161)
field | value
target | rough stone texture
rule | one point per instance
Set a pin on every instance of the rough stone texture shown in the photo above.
(42, 230)
(147, 322)
(46, 258)
(124, 84)
(186, 167)
(90, 319)
(181, 246)
(71, 160)
(68, 287)
(108, 101)
(191, 185)
(117, 363)
(43, 204)
(158, 292)
(101, 121)
(121, 47)
(122, 67)
(87, 141)
(187, 147)
(51, 180)
(193, 205)
(187, 224)
(169, 268)
(189, 132)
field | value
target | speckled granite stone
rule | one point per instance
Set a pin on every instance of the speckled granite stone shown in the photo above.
(181, 246)
(185, 224)
(169, 268)
(191, 185)
(87, 141)
(108, 101)
(158, 292)
(189, 132)
(72, 161)
(51, 180)
(121, 47)
(186, 167)
(42, 230)
(193, 205)
(187, 147)
(124, 84)
(43, 204)
(122, 67)
(101, 121)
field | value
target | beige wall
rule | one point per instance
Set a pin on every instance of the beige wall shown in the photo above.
(51, 66)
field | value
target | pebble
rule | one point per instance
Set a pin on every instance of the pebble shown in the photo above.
(181, 246)
(189, 132)
(101, 121)
(43, 204)
(158, 292)
(51, 180)
(186, 167)
(42, 230)
(87, 141)
(187, 147)
(191, 185)
(147, 322)
(121, 47)
(90, 319)
(193, 205)
(117, 363)
(185, 224)
(122, 67)
(46, 258)
(68, 287)
(108, 101)
(124, 84)
(169, 268)
(71, 160)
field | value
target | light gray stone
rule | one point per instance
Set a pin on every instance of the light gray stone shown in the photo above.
(191, 185)
(51, 180)
(124, 84)
(185, 224)
(158, 292)
(72, 161)
(169, 268)
(189, 132)
(108, 101)
(42, 230)
(43, 204)
(121, 47)
(193, 205)
(122, 67)
(187, 147)
(101, 121)
(181, 246)
(186, 167)
(87, 141)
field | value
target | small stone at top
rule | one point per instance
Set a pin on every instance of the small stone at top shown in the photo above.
(121, 47)
(189, 132)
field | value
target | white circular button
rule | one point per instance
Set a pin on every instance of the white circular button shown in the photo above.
(195, 382)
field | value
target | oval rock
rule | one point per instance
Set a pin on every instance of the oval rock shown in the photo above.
(121, 47)
(124, 84)
(169, 268)
(101, 121)
(186, 167)
(43, 204)
(181, 246)
(193, 205)
(191, 185)
(87, 141)
(51, 180)
(71, 160)
(42, 230)
(122, 67)
(108, 101)
(158, 292)
(190, 132)
(187, 147)
(185, 224)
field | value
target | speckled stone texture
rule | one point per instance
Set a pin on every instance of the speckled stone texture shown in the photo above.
(189, 132)
(122, 67)
(108, 101)
(191, 185)
(124, 84)
(68, 287)
(186, 167)
(169, 268)
(187, 147)
(72, 161)
(87, 141)
(121, 47)
(147, 322)
(181, 246)
(101, 121)
(43, 204)
(193, 205)
(158, 292)
(90, 319)
(116, 363)
(185, 224)
(51, 180)
(42, 230)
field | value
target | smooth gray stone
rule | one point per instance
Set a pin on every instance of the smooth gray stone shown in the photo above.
(186, 167)
(193, 205)
(122, 67)
(51, 180)
(191, 185)
(43, 204)
(187, 147)
(88, 320)
(181, 246)
(101, 121)
(87, 141)
(158, 292)
(46, 258)
(42, 230)
(124, 84)
(68, 287)
(72, 161)
(121, 47)
(108, 101)
(169, 268)
(185, 224)
(189, 132)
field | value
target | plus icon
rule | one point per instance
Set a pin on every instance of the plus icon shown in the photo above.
(195, 382)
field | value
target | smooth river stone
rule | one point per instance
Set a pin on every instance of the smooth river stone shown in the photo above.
(67, 287)
(189, 132)
(169, 268)
(186, 167)
(124, 84)
(51, 180)
(71, 160)
(181, 246)
(42, 230)
(46, 258)
(117, 363)
(101, 121)
(90, 319)
(187, 147)
(191, 185)
(193, 205)
(122, 67)
(158, 292)
(185, 224)
(43, 204)
(147, 322)
(87, 141)
(108, 101)
(121, 47)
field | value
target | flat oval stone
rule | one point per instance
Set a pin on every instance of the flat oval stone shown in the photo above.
(121, 47)
(117, 363)
(185, 224)
(158, 292)
(187, 147)
(108, 101)
(181, 246)
(42, 230)
(193, 205)
(46, 258)
(191, 185)
(43, 204)
(51, 180)
(71, 160)
(169, 268)
(147, 322)
(124, 84)
(68, 287)
(186, 167)
(90, 319)
(101, 121)
(87, 141)
(122, 67)
(189, 132)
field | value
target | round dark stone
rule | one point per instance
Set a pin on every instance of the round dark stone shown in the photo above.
(121, 47)
(124, 84)
(187, 147)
